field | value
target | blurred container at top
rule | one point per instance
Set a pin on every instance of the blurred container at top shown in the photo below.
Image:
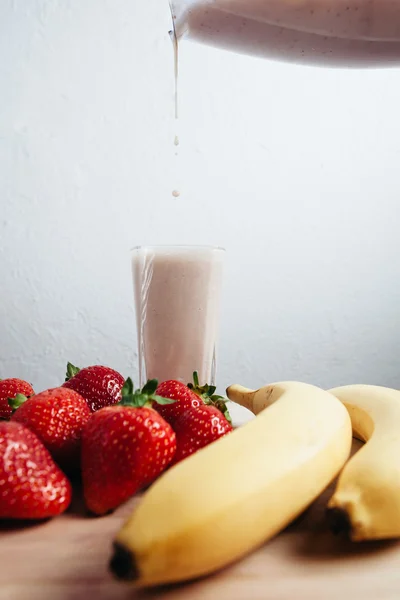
(352, 33)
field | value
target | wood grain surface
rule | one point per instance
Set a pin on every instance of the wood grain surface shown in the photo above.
(66, 559)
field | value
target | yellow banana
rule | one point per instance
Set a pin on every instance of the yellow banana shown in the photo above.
(367, 498)
(230, 497)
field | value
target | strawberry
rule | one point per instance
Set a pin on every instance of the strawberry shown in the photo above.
(198, 427)
(184, 397)
(31, 484)
(124, 448)
(100, 386)
(207, 392)
(188, 396)
(9, 388)
(57, 417)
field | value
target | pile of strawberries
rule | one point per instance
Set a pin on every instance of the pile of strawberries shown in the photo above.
(96, 427)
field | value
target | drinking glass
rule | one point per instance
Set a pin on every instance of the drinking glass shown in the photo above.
(177, 293)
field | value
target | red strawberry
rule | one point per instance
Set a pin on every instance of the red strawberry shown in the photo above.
(207, 392)
(100, 386)
(57, 416)
(31, 484)
(184, 397)
(124, 448)
(9, 388)
(197, 428)
(188, 396)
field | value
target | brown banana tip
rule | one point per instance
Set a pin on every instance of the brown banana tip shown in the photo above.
(123, 564)
(338, 520)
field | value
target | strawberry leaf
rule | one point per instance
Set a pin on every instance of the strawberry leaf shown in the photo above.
(150, 387)
(161, 400)
(144, 397)
(140, 399)
(71, 371)
(201, 390)
(220, 403)
(127, 388)
(207, 392)
(134, 400)
(17, 401)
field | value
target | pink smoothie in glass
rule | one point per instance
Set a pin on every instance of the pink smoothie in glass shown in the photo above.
(177, 298)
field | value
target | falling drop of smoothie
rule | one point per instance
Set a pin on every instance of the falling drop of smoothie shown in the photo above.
(174, 39)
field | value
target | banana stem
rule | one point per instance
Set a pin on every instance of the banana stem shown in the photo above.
(241, 395)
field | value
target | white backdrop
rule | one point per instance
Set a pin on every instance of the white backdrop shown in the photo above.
(295, 170)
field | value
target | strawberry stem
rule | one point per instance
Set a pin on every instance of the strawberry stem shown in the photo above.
(71, 371)
(196, 379)
(17, 401)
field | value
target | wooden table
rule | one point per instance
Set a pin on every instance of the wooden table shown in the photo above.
(66, 559)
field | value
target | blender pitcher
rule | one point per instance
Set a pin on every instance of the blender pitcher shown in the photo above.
(352, 33)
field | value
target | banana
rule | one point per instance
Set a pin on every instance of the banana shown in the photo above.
(366, 502)
(230, 497)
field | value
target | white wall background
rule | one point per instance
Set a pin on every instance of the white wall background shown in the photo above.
(295, 170)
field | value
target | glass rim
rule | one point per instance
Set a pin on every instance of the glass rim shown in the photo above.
(177, 246)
